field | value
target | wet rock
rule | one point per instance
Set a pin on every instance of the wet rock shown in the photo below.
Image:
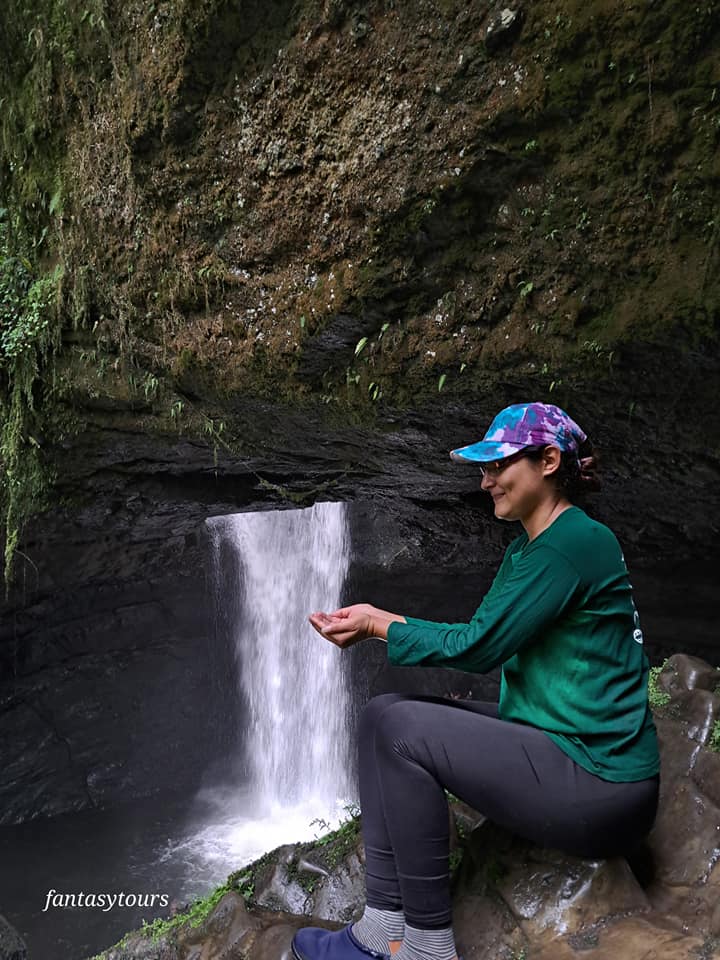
(706, 775)
(628, 939)
(227, 931)
(274, 943)
(360, 26)
(682, 673)
(503, 27)
(341, 895)
(136, 946)
(484, 927)
(12, 946)
(510, 896)
(694, 690)
(327, 882)
(278, 886)
(565, 895)
(519, 894)
(685, 840)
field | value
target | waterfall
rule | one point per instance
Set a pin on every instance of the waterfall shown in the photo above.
(293, 684)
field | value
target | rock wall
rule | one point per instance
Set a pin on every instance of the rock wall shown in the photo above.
(303, 253)
(511, 899)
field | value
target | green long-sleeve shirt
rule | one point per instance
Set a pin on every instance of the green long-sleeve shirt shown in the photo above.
(560, 618)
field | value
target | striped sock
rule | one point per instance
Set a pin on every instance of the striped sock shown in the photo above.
(376, 928)
(427, 945)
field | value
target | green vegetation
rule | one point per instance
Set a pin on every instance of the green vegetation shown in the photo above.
(335, 845)
(657, 697)
(28, 336)
(196, 914)
(341, 841)
(591, 223)
(714, 742)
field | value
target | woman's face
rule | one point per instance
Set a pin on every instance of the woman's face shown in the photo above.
(522, 486)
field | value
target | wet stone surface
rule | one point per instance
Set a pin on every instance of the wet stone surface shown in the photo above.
(510, 896)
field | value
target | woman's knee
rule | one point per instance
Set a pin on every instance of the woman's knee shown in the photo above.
(402, 727)
(373, 711)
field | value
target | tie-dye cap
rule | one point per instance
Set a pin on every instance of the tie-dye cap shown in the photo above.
(524, 425)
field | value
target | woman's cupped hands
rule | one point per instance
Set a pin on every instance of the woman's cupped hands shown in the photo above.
(345, 626)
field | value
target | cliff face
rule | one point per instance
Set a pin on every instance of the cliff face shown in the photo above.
(241, 195)
(254, 255)
(368, 208)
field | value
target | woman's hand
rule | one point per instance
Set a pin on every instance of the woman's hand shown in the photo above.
(345, 626)
(349, 625)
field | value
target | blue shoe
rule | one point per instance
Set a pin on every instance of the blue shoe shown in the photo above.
(314, 943)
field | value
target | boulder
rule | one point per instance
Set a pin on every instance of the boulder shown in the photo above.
(12, 946)
(503, 27)
(512, 899)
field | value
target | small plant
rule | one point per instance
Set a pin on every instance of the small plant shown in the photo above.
(360, 346)
(151, 385)
(583, 221)
(526, 288)
(441, 381)
(246, 886)
(342, 840)
(531, 146)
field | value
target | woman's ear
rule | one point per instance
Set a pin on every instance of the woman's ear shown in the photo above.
(551, 460)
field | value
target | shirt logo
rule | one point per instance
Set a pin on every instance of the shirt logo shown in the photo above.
(637, 632)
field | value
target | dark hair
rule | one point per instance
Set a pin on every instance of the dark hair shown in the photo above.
(578, 473)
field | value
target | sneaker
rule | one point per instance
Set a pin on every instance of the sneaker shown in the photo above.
(314, 943)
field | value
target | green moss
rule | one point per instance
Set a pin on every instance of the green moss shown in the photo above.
(338, 843)
(194, 916)
(304, 879)
(714, 742)
(28, 337)
(657, 697)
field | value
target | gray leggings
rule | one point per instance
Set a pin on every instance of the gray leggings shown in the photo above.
(413, 748)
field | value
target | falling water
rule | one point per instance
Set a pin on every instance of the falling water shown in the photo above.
(292, 682)
(290, 692)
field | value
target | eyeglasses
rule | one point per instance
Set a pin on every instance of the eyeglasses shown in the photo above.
(495, 467)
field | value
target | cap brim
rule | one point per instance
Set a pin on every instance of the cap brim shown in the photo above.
(484, 451)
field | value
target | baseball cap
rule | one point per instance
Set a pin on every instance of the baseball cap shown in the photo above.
(524, 425)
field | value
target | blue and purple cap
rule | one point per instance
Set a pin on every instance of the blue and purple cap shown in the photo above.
(524, 425)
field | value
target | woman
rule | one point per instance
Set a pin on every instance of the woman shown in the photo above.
(567, 759)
